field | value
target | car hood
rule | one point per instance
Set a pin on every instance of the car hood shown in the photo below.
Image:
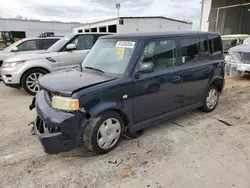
(4, 54)
(31, 56)
(64, 83)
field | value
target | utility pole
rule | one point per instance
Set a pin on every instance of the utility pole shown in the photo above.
(118, 6)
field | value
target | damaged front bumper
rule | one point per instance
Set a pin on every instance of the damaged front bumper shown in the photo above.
(57, 131)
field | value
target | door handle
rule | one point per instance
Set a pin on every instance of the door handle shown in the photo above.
(176, 78)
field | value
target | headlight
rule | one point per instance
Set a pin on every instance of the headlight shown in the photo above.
(12, 64)
(65, 103)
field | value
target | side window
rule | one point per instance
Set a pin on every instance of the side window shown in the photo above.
(204, 52)
(194, 49)
(83, 42)
(46, 43)
(161, 53)
(189, 49)
(215, 45)
(96, 37)
(28, 45)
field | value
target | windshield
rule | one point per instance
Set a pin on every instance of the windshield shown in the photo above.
(110, 55)
(60, 43)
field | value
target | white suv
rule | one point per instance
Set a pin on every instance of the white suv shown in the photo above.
(27, 45)
(24, 70)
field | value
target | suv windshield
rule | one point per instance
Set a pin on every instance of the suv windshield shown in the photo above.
(59, 44)
(110, 55)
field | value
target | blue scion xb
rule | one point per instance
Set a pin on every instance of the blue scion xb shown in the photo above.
(127, 83)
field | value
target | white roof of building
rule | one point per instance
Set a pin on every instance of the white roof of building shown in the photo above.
(137, 17)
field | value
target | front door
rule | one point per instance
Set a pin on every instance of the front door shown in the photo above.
(160, 91)
(72, 58)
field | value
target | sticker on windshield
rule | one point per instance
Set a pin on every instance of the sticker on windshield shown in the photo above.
(120, 51)
(125, 44)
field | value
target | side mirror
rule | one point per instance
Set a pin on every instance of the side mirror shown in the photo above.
(183, 60)
(146, 68)
(70, 47)
(14, 49)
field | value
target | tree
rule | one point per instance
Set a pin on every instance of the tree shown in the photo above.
(19, 17)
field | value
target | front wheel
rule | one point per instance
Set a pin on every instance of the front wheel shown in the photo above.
(103, 133)
(211, 100)
(29, 81)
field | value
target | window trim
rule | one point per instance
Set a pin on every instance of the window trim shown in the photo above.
(153, 40)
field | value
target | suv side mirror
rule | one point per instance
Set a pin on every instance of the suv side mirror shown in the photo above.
(146, 67)
(14, 49)
(70, 47)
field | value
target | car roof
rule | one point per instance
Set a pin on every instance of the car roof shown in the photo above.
(92, 34)
(24, 39)
(160, 34)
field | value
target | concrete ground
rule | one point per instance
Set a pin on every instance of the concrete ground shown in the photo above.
(194, 150)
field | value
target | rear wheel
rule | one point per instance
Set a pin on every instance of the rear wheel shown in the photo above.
(103, 133)
(211, 100)
(29, 81)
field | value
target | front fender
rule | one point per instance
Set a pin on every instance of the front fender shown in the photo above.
(37, 63)
(103, 107)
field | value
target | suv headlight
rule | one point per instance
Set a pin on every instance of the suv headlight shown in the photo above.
(12, 64)
(65, 103)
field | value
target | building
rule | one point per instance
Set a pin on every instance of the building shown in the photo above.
(33, 28)
(134, 24)
(226, 16)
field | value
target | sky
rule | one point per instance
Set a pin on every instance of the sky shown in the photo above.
(94, 10)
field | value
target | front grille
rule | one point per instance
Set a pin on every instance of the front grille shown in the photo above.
(1, 63)
(44, 128)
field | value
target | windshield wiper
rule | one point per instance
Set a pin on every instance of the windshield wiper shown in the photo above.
(95, 69)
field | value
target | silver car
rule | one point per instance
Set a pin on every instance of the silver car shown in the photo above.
(24, 70)
(27, 45)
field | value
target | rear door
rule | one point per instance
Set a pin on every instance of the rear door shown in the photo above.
(72, 58)
(158, 92)
(198, 67)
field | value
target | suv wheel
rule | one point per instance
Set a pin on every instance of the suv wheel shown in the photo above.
(30, 78)
(211, 100)
(103, 133)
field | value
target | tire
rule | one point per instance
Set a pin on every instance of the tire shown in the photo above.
(133, 135)
(209, 107)
(27, 78)
(93, 138)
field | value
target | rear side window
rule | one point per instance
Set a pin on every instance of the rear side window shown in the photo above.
(215, 46)
(97, 36)
(194, 49)
(162, 53)
(204, 47)
(46, 43)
